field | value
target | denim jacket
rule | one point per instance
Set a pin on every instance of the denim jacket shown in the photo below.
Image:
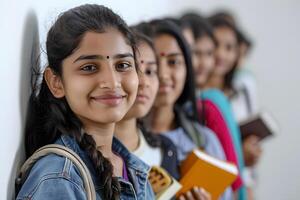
(56, 178)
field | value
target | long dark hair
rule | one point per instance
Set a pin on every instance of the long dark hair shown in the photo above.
(188, 93)
(48, 117)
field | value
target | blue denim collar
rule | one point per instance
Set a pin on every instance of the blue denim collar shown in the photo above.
(135, 166)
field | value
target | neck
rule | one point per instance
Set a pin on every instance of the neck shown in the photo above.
(103, 136)
(215, 81)
(127, 132)
(162, 119)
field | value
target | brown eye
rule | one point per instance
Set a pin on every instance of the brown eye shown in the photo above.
(88, 68)
(123, 66)
(230, 47)
(150, 72)
(174, 62)
(210, 53)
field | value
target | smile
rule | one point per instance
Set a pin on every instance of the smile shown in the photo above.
(110, 100)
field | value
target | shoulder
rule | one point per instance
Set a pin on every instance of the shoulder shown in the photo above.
(212, 144)
(216, 96)
(53, 176)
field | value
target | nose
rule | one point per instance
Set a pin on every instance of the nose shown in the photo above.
(143, 80)
(164, 71)
(109, 78)
(195, 60)
(220, 52)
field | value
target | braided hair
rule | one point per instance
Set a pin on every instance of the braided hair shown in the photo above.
(49, 117)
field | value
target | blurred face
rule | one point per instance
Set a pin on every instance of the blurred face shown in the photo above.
(148, 82)
(172, 70)
(99, 80)
(203, 59)
(227, 50)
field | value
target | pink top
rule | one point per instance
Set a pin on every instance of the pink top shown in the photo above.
(215, 121)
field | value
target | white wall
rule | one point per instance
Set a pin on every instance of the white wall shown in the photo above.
(273, 25)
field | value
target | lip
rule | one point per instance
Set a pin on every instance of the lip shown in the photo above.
(199, 71)
(109, 99)
(219, 63)
(142, 98)
(165, 88)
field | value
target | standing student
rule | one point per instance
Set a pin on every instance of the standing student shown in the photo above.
(89, 84)
(227, 55)
(203, 46)
(168, 116)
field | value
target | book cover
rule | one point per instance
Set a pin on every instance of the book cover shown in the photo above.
(164, 186)
(262, 125)
(203, 170)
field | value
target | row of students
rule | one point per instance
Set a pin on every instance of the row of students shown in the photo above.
(236, 92)
(102, 80)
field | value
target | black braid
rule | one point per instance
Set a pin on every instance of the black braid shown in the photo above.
(48, 117)
(104, 168)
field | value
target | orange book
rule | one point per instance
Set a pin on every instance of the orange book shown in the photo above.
(203, 170)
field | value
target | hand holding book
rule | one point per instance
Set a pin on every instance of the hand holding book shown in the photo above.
(196, 193)
(202, 170)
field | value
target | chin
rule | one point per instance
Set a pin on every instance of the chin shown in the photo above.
(112, 117)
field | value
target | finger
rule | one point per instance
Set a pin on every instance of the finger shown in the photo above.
(181, 197)
(206, 195)
(197, 193)
(189, 195)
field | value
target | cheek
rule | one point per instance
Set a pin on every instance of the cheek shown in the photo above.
(154, 89)
(130, 84)
(211, 64)
(77, 88)
(232, 57)
(180, 76)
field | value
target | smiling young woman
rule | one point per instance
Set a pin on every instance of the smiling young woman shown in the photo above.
(90, 84)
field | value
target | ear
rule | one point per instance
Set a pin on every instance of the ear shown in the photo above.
(54, 83)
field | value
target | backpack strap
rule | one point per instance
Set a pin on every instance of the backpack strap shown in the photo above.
(61, 151)
(190, 128)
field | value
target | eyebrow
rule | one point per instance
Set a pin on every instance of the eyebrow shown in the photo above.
(151, 63)
(173, 54)
(100, 57)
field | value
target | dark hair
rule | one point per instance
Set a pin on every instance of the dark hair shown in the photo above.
(188, 93)
(225, 15)
(140, 36)
(199, 26)
(188, 20)
(243, 38)
(217, 22)
(49, 117)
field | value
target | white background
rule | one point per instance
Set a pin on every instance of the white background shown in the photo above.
(272, 25)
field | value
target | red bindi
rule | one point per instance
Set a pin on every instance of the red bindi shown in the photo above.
(162, 54)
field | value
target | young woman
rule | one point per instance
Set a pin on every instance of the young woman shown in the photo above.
(203, 47)
(155, 150)
(242, 99)
(90, 84)
(176, 90)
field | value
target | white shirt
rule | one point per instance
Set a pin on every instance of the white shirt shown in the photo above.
(150, 155)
